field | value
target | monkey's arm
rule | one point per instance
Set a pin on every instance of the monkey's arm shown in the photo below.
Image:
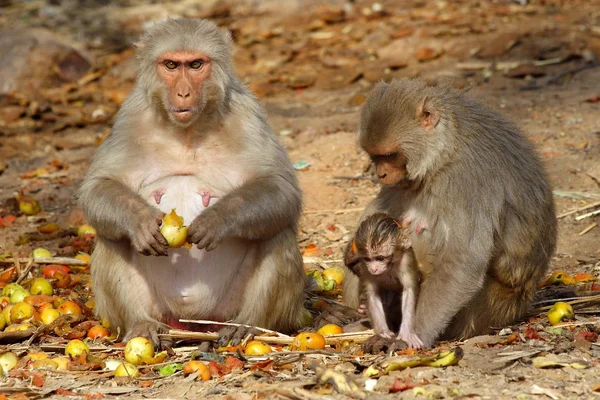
(259, 209)
(410, 281)
(117, 212)
(377, 311)
(455, 279)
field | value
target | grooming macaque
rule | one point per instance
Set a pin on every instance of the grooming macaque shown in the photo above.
(381, 256)
(191, 137)
(483, 225)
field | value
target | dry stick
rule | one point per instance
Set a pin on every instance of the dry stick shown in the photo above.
(357, 337)
(590, 214)
(49, 260)
(25, 272)
(589, 228)
(584, 300)
(206, 322)
(576, 210)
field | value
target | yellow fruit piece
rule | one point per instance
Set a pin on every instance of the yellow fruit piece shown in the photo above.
(40, 253)
(335, 274)
(197, 366)
(6, 313)
(559, 312)
(256, 348)
(330, 329)
(75, 348)
(19, 295)
(38, 355)
(18, 327)
(28, 205)
(49, 315)
(85, 257)
(40, 286)
(308, 341)
(21, 312)
(127, 370)
(8, 361)
(173, 230)
(10, 288)
(2, 322)
(61, 362)
(85, 230)
(561, 277)
(139, 350)
(44, 364)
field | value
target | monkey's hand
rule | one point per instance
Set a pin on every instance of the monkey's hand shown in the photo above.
(207, 230)
(146, 237)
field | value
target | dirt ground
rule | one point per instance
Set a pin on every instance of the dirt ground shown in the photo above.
(311, 64)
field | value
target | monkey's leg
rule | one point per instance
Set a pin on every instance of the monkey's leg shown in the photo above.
(274, 295)
(377, 311)
(123, 296)
(407, 328)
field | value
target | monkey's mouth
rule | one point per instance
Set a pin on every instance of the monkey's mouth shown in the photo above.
(182, 113)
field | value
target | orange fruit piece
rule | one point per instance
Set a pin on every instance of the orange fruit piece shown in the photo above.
(308, 341)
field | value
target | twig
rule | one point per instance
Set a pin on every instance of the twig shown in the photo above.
(357, 337)
(335, 211)
(26, 271)
(576, 210)
(576, 195)
(592, 177)
(589, 228)
(206, 322)
(590, 214)
(555, 78)
(584, 300)
(49, 260)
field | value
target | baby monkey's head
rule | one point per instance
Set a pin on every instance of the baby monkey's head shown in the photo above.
(379, 242)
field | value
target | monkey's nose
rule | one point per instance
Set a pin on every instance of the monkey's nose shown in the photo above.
(184, 94)
(382, 176)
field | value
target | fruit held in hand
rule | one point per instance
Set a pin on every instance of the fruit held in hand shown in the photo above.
(173, 230)
(559, 312)
(139, 350)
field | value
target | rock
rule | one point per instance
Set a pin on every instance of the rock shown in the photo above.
(524, 70)
(499, 45)
(29, 59)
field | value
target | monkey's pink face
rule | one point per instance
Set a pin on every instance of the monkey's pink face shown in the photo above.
(184, 73)
(390, 165)
(377, 265)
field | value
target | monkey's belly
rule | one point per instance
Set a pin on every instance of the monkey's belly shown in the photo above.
(193, 283)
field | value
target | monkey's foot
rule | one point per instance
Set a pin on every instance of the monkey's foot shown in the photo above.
(412, 340)
(150, 330)
(236, 335)
(376, 343)
(337, 314)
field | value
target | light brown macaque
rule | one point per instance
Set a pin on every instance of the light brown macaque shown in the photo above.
(381, 256)
(483, 224)
(191, 137)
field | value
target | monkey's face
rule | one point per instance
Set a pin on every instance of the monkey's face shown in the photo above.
(390, 165)
(185, 75)
(378, 264)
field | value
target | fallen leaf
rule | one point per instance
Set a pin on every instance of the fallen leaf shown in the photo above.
(401, 386)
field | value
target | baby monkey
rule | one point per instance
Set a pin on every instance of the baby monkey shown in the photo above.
(381, 256)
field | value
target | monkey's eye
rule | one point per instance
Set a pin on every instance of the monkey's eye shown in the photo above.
(380, 258)
(196, 64)
(170, 64)
(388, 155)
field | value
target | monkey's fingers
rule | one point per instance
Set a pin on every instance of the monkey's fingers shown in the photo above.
(160, 244)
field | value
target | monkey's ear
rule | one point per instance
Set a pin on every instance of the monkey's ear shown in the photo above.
(353, 248)
(427, 115)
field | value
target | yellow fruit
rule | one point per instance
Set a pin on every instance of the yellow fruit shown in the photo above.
(127, 370)
(49, 315)
(330, 329)
(44, 364)
(28, 205)
(39, 355)
(138, 350)
(10, 288)
(18, 327)
(2, 322)
(6, 313)
(98, 332)
(61, 362)
(197, 366)
(40, 286)
(256, 348)
(40, 253)
(335, 274)
(21, 312)
(8, 361)
(69, 307)
(85, 230)
(85, 257)
(19, 295)
(75, 348)
(173, 230)
(308, 341)
(559, 312)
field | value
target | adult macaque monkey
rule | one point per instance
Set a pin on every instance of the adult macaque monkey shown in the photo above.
(483, 222)
(191, 137)
(381, 256)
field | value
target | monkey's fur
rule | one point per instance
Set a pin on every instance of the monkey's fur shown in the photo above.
(150, 164)
(479, 190)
